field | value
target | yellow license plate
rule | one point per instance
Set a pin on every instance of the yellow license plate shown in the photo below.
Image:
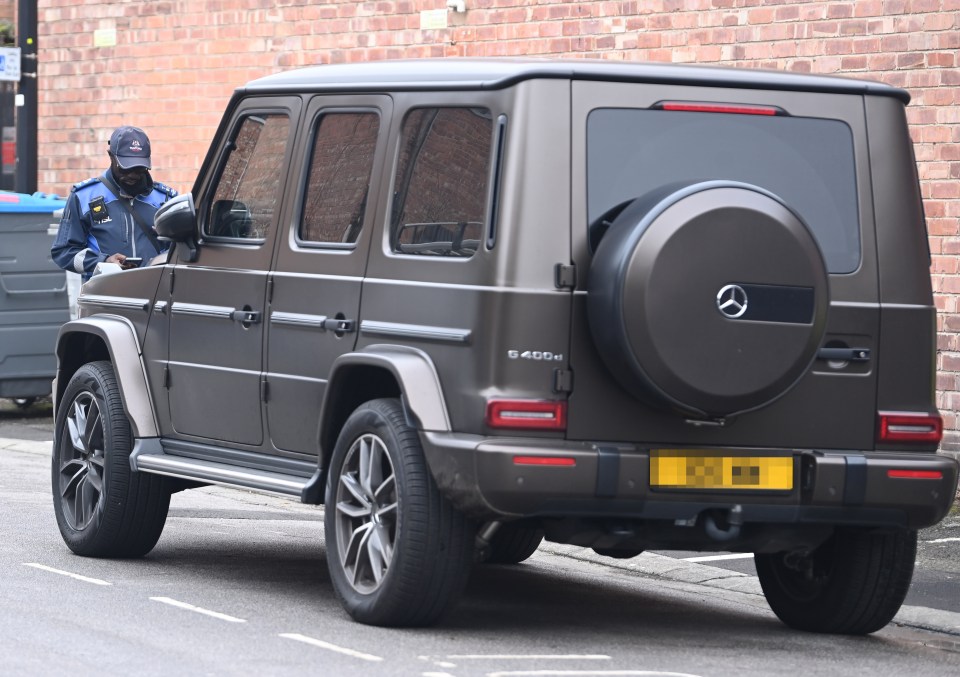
(695, 469)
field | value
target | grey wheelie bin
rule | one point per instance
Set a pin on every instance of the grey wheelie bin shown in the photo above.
(33, 295)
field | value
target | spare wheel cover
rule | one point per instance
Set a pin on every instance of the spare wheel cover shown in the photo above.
(711, 299)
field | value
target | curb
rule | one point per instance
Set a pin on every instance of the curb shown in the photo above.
(26, 446)
(647, 564)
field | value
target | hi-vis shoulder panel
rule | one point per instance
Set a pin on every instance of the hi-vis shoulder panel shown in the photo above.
(166, 190)
(84, 184)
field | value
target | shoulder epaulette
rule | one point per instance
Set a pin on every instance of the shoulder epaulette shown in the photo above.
(166, 190)
(84, 184)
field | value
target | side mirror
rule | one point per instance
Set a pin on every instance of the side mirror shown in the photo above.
(176, 221)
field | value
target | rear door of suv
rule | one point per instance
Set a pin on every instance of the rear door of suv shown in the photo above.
(315, 285)
(809, 151)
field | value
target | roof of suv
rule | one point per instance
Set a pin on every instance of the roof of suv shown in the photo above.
(496, 73)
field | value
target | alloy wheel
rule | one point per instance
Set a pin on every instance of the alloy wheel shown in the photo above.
(81, 462)
(366, 513)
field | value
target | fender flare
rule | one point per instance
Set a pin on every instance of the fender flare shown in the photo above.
(120, 338)
(415, 373)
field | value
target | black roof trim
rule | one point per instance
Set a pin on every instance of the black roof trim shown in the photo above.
(456, 73)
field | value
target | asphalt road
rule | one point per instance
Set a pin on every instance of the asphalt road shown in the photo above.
(237, 586)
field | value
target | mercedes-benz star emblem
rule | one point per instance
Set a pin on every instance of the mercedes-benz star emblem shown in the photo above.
(732, 301)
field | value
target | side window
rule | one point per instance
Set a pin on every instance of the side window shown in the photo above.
(339, 178)
(248, 192)
(440, 189)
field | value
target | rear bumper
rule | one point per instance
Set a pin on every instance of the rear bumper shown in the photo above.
(850, 488)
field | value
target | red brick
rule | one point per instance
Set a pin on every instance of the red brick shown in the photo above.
(950, 362)
(941, 60)
(840, 10)
(945, 264)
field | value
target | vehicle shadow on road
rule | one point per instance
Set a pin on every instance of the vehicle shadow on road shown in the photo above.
(543, 604)
(532, 595)
(521, 598)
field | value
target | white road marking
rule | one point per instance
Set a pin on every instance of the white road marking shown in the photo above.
(437, 674)
(590, 673)
(510, 657)
(331, 647)
(85, 579)
(944, 540)
(199, 610)
(718, 558)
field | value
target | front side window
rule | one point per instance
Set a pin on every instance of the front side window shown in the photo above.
(247, 195)
(440, 188)
(339, 179)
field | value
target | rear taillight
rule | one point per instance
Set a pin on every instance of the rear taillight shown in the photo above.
(909, 427)
(915, 474)
(527, 414)
(735, 109)
(554, 461)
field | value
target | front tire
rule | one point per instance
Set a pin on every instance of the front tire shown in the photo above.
(399, 554)
(103, 508)
(852, 584)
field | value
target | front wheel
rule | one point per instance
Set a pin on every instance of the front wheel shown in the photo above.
(399, 554)
(102, 507)
(852, 584)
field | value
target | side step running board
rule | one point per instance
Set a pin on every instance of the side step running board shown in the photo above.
(149, 457)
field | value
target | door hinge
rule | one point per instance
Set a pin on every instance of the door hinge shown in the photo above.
(173, 272)
(269, 290)
(166, 378)
(562, 381)
(565, 276)
(264, 390)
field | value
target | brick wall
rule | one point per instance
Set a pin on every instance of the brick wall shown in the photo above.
(175, 62)
(8, 11)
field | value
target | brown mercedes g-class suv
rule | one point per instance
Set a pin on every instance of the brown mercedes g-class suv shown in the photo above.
(472, 304)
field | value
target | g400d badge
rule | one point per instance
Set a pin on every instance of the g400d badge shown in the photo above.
(537, 355)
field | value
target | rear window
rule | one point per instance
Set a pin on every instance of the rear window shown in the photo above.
(807, 162)
(440, 188)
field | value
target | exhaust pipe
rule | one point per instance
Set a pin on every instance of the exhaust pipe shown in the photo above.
(734, 520)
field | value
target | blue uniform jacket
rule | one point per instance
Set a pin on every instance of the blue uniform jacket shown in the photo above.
(84, 240)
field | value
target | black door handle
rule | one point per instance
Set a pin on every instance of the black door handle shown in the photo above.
(246, 317)
(336, 325)
(844, 354)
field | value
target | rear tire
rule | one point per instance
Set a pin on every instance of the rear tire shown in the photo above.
(399, 554)
(103, 508)
(852, 584)
(513, 543)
